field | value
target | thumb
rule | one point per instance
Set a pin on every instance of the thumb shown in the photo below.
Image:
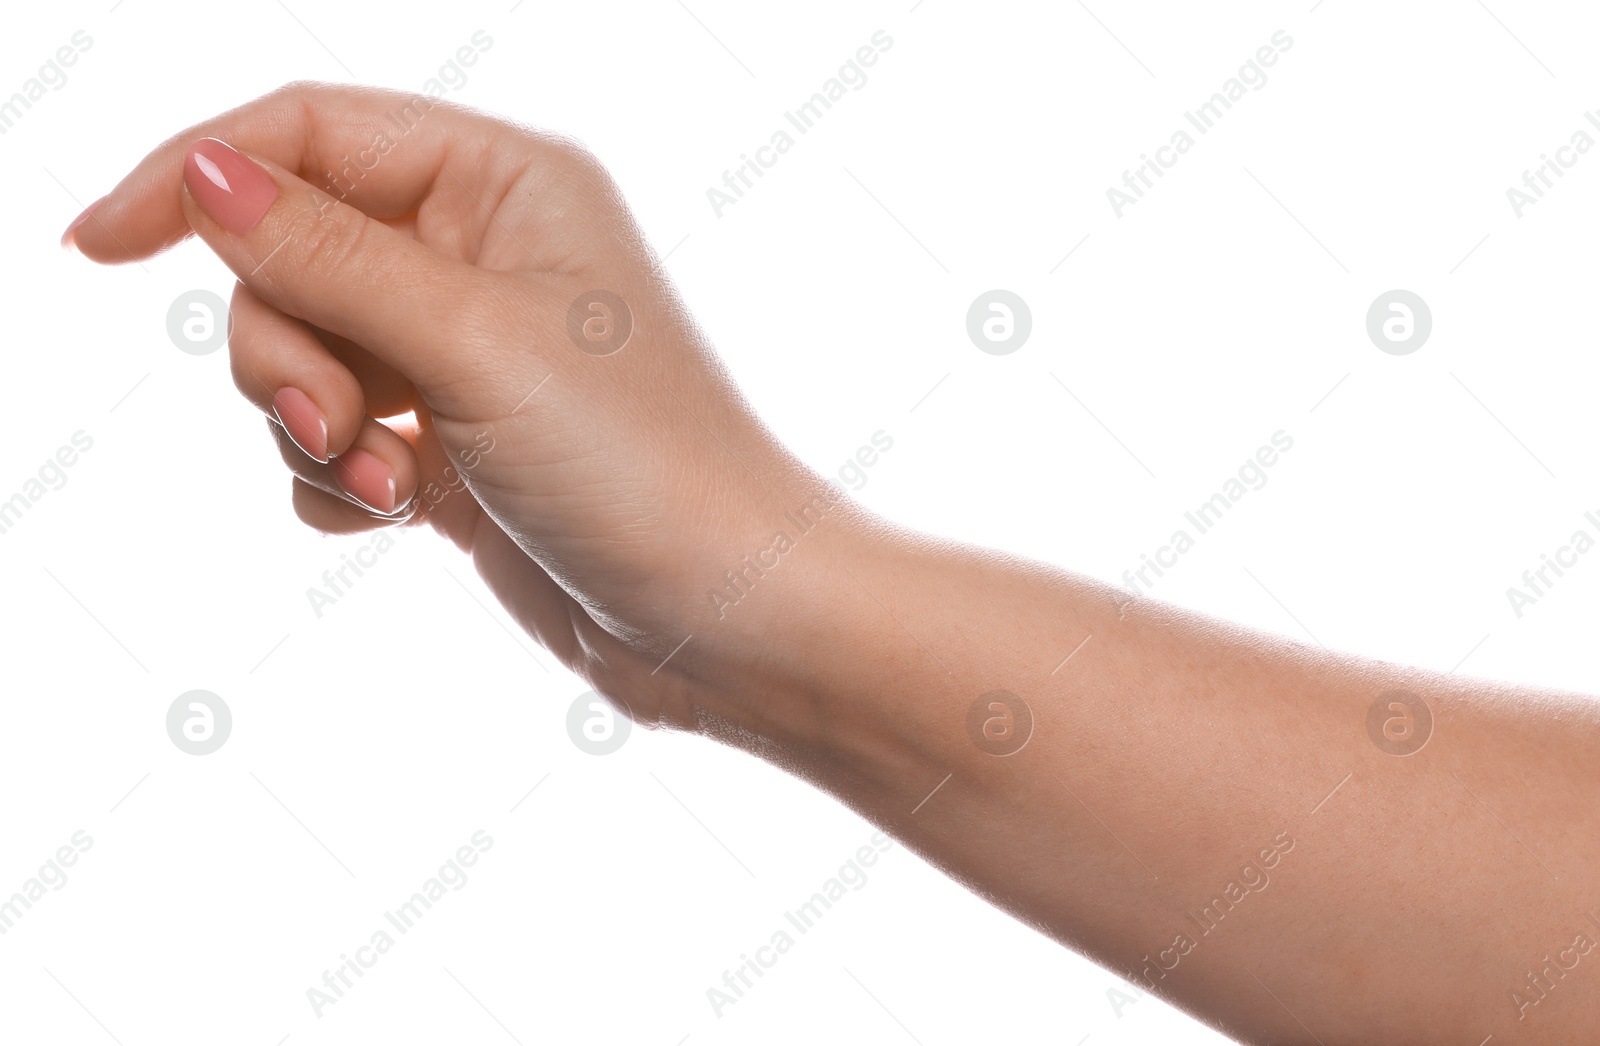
(440, 322)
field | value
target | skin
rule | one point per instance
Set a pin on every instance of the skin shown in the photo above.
(1377, 897)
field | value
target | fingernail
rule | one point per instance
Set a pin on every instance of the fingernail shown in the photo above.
(303, 422)
(69, 240)
(230, 187)
(366, 479)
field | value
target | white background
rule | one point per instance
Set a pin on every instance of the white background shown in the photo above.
(369, 743)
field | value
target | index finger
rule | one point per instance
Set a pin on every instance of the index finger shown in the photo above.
(378, 150)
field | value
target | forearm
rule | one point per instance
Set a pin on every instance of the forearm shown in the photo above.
(1199, 807)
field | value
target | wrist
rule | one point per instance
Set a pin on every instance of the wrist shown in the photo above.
(812, 668)
(783, 626)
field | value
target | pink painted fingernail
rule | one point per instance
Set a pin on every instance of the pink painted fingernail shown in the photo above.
(69, 240)
(230, 187)
(303, 422)
(366, 479)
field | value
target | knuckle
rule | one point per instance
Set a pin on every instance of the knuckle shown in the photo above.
(575, 163)
(331, 242)
(573, 153)
(301, 89)
(590, 173)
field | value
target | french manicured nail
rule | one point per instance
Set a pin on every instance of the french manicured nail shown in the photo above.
(366, 479)
(303, 422)
(69, 239)
(229, 186)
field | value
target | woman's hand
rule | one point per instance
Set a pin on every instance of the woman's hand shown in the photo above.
(573, 428)
(1199, 807)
